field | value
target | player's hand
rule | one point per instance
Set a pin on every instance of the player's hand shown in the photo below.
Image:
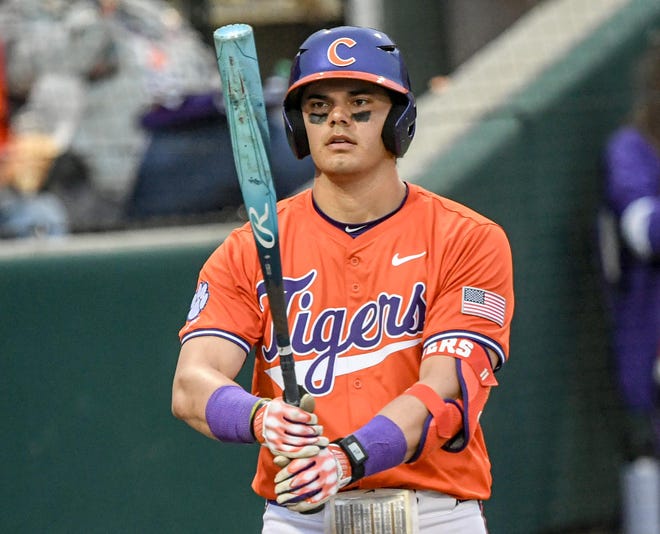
(306, 483)
(288, 430)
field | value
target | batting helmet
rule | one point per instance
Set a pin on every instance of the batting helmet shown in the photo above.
(358, 53)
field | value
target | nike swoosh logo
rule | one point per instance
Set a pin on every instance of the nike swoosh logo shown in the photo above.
(396, 260)
(350, 229)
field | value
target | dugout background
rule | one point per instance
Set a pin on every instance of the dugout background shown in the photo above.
(88, 342)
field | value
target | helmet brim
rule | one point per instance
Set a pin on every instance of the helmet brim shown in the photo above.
(351, 74)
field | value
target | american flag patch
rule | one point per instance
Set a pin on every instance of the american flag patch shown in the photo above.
(484, 304)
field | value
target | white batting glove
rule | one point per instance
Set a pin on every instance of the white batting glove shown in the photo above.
(305, 484)
(288, 430)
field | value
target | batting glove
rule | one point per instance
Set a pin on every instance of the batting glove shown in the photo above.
(306, 483)
(288, 430)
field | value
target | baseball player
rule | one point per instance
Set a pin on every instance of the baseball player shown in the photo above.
(632, 240)
(399, 305)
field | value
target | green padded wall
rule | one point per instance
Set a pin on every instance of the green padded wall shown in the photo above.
(89, 345)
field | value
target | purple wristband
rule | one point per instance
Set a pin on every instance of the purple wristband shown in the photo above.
(228, 412)
(384, 442)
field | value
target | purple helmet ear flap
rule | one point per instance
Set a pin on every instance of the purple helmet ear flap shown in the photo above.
(295, 131)
(399, 127)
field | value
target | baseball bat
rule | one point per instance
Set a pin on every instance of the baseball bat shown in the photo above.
(246, 116)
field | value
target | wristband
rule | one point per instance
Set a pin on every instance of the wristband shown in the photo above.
(229, 412)
(382, 442)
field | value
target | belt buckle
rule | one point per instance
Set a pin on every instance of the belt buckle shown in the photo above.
(377, 511)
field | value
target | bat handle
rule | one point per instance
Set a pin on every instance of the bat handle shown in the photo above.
(287, 365)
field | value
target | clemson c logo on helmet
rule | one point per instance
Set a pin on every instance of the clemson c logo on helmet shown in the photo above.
(335, 58)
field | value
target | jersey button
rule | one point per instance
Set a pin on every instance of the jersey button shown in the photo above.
(355, 287)
(355, 261)
(357, 383)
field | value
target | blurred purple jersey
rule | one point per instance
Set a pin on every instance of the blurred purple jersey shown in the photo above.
(632, 169)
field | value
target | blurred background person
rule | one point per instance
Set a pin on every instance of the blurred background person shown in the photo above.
(25, 160)
(188, 167)
(632, 261)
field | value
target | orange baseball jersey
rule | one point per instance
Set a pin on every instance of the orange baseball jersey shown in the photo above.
(361, 310)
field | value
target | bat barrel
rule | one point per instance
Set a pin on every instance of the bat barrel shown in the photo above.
(236, 54)
(246, 117)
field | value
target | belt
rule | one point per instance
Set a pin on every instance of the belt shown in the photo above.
(432, 500)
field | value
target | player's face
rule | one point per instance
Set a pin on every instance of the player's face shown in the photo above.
(344, 121)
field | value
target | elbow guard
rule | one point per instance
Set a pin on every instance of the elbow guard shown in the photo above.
(455, 420)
